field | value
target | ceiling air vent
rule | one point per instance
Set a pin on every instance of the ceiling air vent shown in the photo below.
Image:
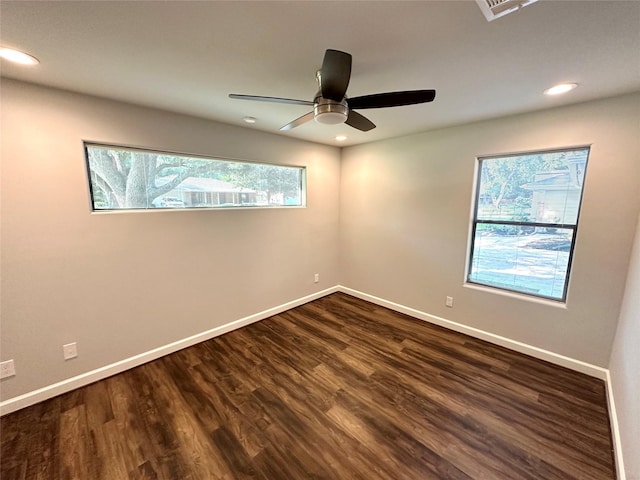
(493, 9)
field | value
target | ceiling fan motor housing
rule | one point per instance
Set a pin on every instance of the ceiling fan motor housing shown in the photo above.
(329, 111)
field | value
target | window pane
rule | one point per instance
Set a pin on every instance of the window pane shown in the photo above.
(125, 178)
(514, 258)
(541, 187)
(526, 216)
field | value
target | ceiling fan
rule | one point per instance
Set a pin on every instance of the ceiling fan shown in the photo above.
(331, 105)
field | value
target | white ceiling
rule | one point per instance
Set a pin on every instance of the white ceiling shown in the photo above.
(187, 56)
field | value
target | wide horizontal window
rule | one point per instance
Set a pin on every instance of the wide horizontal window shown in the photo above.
(129, 178)
(525, 221)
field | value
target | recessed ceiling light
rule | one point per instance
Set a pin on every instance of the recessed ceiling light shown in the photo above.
(560, 89)
(249, 119)
(341, 138)
(17, 56)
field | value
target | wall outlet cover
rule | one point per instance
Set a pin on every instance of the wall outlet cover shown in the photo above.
(7, 369)
(70, 350)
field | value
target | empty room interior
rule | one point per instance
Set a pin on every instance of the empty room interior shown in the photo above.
(323, 240)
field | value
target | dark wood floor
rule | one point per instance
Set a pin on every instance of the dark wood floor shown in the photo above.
(335, 389)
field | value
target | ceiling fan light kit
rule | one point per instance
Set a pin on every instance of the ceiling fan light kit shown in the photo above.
(330, 112)
(331, 106)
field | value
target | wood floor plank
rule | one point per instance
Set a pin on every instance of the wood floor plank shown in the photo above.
(130, 435)
(338, 388)
(79, 460)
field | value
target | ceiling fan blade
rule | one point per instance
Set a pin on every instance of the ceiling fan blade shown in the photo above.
(335, 74)
(392, 99)
(360, 122)
(271, 99)
(298, 121)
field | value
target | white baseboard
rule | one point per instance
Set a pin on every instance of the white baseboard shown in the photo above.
(615, 431)
(557, 359)
(64, 386)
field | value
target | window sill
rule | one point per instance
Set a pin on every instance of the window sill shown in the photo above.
(518, 296)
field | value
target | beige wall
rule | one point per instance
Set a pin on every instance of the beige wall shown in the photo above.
(625, 367)
(122, 284)
(405, 211)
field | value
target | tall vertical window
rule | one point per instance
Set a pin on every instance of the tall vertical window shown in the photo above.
(129, 178)
(525, 221)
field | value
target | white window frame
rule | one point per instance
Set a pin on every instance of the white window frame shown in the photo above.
(474, 222)
(196, 198)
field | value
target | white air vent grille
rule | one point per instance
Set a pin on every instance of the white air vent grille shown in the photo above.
(493, 9)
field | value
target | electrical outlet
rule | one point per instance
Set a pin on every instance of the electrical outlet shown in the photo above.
(449, 302)
(7, 369)
(316, 278)
(70, 350)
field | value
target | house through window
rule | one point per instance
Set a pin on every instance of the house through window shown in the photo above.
(525, 221)
(128, 178)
